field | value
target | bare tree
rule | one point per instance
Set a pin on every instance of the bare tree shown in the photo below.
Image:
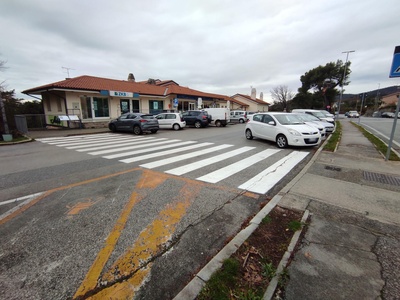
(281, 95)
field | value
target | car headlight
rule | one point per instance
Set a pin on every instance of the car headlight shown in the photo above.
(294, 132)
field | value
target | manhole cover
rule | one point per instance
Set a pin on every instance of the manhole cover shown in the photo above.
(381, 178)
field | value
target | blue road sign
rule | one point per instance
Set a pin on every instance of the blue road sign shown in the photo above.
(395, 69)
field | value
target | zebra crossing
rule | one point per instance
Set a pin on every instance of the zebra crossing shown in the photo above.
(180, 158)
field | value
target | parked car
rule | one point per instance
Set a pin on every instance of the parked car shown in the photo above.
(171, 120)
(327, 114)
(239, 116)
(196, 118)
(219, 116)
(315, 113)
(353, 114)
(282, 128)
(376, 114)
(327, 128)
(134, 122)
(387, 114)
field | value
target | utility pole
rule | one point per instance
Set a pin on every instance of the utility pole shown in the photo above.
(344, 79)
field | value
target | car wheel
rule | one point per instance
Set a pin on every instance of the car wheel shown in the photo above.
(249, 135)
(241, 121)
(218, 123)
(112, 128)
(154, 130)
(137, 130)
(176, 127)
(281, 141)
(197, 124)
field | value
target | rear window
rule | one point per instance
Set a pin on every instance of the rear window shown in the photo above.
(147, 117)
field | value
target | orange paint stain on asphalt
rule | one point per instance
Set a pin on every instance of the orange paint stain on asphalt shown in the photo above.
(78, 207)
(151, 242)
(49, 192)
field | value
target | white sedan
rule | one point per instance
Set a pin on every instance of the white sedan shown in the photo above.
(285, 129)
(173, 121)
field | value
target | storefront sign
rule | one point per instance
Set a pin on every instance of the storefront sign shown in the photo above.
(121, 94)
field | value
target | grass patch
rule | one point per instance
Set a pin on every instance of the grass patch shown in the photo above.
(294, 226)
(334, 139)
(381, 146)
(266, 220)
(221, 282)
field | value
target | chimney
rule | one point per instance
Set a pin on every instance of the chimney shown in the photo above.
(253, 93)
(261, 96)
(131, 77)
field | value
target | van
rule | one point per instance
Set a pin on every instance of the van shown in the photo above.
(239, 116)
(219, 116)
(315, 113)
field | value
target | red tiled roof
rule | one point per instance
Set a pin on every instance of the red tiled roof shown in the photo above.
(259, 101)
(91, 83)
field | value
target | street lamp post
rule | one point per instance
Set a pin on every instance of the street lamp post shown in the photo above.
(344, 77)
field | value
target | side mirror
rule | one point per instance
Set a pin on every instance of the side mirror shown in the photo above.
(272, 123)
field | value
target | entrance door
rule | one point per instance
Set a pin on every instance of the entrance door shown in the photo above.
(192, 106)
(124, 104)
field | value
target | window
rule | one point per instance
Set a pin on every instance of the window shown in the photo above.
(170, 116)
(156, 107)
(124, 104)
(59, 107)
(86, 107)
(100, 107)
(135, 106)
(257, 118)
(267, 119)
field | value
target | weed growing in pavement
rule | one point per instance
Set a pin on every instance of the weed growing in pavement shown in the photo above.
(381, 146)
(248, 295)
(268, 270)
(294, 226)
(267, 219)
(221, 282)
(334, 139)
(283, 278)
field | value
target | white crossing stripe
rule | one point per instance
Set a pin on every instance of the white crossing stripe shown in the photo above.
(136, 146)
(208, 161)
(75, 137)
(236, 167)
(148, 149)
(166, 152)
(171, 160)
(109, 145)
(265, 180)
(78, 141)
(122, 141)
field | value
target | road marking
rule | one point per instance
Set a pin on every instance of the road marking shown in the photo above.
(208, 161)
(75, 137)
(166, 152)
(111, 144)
(167, 161)
(49, 192)
(236, 167)
(265, 180)
(138, 145)
(149, 243)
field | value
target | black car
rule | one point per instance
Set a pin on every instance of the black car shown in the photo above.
(134, 122)
(196, 118)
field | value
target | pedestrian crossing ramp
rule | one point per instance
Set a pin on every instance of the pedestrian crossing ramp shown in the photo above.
(248, 168)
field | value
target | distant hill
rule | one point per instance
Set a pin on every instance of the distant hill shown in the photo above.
(383, 92)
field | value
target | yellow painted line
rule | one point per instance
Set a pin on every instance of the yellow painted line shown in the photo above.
(49, 192)
(125, 289)
(150, 242)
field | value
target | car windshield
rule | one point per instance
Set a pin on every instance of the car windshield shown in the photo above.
(307, 117)
(288, 119)
(318, 114)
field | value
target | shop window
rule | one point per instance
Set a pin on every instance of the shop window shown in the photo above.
(156, 107)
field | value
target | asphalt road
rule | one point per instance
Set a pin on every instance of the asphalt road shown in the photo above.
(78, 221)
(382, 127)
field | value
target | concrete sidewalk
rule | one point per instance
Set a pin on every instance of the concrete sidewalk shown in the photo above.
(351, 247)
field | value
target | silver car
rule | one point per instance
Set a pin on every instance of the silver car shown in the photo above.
(173, 121)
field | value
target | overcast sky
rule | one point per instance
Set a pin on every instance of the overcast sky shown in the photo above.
(215, 46)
